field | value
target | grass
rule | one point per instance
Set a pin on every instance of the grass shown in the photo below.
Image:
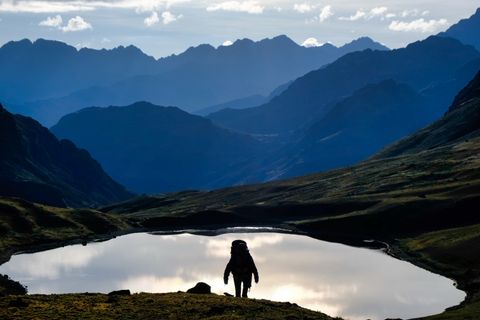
(455, 253)
(150, 306)
(26, 226)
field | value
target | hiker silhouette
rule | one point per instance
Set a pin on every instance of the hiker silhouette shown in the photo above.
(242, 267)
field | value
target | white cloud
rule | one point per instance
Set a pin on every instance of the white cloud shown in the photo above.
(53, 22)
(227, 43)
(419, 25)
(325, 13)
(414, 13)
(152, 19)
(358, 15)
(45, 6)
(302, 7)
(390, 15)
(378, 11)
(76, 24)
(252, 7)
(311, 42)
(168, 17)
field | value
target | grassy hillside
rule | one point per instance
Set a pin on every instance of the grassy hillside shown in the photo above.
(25, 226)
(151, 306)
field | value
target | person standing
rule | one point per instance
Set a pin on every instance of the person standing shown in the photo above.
(242, 267)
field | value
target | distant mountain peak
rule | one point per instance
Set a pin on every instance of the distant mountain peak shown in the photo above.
(242, 42)
(466, 30)
(17, 44)
(280, 39)
(204, 48)
(363, 43)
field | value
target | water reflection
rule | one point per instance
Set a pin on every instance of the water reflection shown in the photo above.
(335, 279)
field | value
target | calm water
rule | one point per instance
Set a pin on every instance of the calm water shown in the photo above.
(332, 278)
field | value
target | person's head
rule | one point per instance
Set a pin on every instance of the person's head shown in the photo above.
(239, 247)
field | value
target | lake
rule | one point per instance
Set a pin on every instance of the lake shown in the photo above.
(339, 280)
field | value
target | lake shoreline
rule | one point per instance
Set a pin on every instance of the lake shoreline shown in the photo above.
(396, 250)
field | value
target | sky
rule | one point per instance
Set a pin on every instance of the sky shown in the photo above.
(164, 27)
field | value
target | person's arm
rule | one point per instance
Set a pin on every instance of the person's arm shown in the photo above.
(228, 269)
(254, 270)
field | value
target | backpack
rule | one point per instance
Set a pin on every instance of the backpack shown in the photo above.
(239, 248)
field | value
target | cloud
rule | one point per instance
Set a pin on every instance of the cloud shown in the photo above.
(252, 7)
(227, 43)
(168, 17)
(311, 42)
(419, 25)
(76, 24)
(325, 13)
(152, 19)
(377, 12)
(45, 6)
(302, 7)
(53, 22)
(358, 15)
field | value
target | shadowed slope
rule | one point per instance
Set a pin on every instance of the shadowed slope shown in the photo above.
(38, 167)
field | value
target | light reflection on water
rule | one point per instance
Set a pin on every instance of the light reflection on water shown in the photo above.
(336, 279)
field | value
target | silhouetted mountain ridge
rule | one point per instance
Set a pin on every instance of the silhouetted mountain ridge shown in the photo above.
(38, 167)
(70, 80)
(156, 149)
(423, 65)
(466, 30)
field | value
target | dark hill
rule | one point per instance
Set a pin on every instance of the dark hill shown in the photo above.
(155, 149)
(36, 166)
(461, 122)
(431, 65)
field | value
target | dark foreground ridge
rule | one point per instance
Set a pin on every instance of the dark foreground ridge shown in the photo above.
(151, 306)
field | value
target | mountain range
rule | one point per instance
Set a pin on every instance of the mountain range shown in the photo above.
(36, 166)
(149, 148)
(48, 79)
(332, 117)
(424, 65)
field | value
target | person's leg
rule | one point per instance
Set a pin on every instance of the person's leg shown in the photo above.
(245, 289)
(247, 283)
(238, 283)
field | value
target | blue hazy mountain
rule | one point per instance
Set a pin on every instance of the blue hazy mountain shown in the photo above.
(354, 129)
(199, 77)
(36, 166)
(150, 148)
(242, 103)
(459, 124)
(466, 30)
(45, 69)
(430, 65)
